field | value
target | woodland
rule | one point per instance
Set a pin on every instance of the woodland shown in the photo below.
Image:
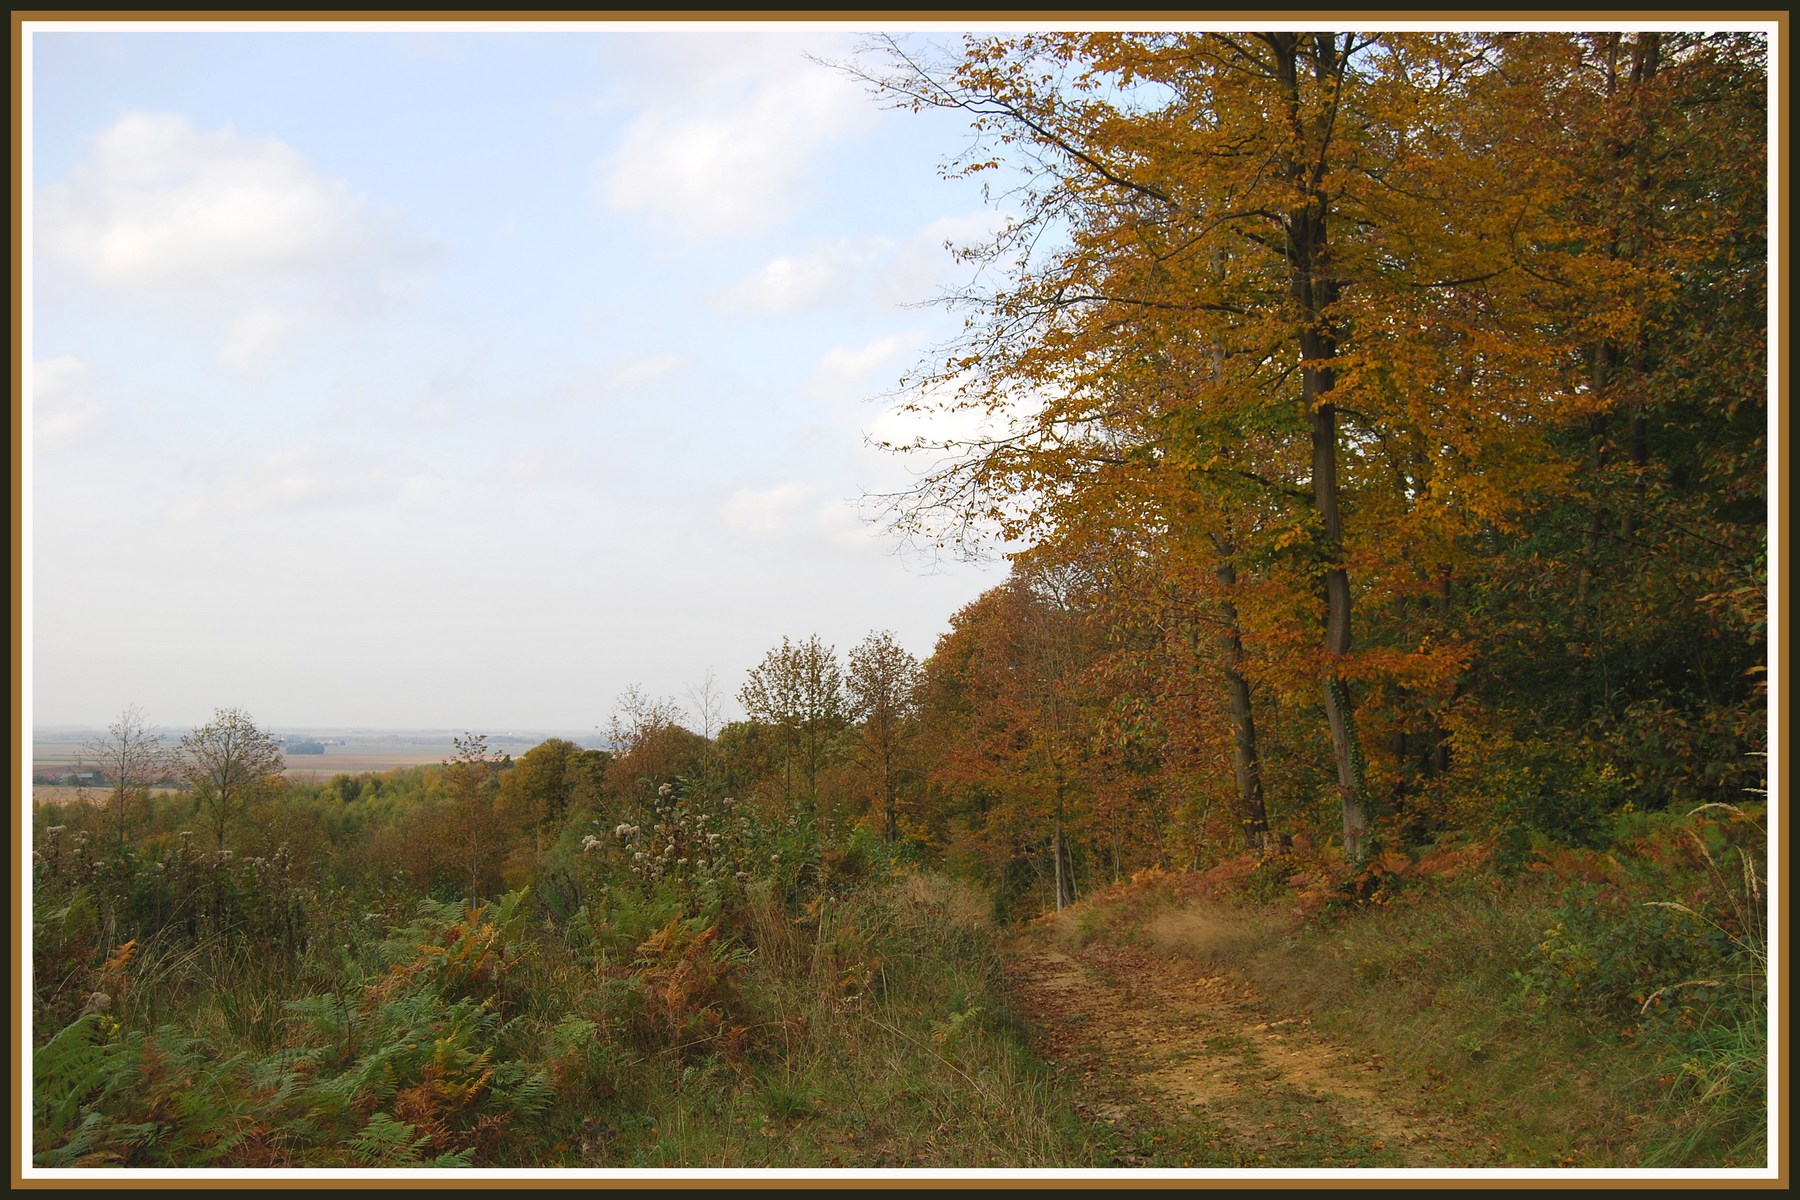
(1377, 426)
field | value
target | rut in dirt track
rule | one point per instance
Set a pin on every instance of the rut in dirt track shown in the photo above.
(1155, 1038)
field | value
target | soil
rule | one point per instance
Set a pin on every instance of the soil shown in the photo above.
(1180, 1064)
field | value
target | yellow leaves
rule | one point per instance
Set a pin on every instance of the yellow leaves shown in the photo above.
(1291, 535)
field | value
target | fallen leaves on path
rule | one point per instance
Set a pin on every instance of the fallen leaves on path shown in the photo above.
(1225, 1078)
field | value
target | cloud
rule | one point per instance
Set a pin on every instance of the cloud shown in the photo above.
(768, 511)
(852, 369)
(635, 373)
(161, 204)
(813, 279)
(255, 338)
(800, 511)
(730, 149)
(239, 233)
(62, 413)
(305, 478)
(873, 272)
(846, 525)
(935, 422)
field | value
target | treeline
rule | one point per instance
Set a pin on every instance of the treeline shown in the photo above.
(1384, 416)
(1383, 419)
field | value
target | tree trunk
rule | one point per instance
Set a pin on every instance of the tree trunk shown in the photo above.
(1246, 763)
(1313, 289)
(1065, 874)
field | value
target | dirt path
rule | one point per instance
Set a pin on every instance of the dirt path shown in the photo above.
(1179, 1066)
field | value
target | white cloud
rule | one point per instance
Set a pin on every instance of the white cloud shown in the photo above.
(539, 466)
(843, 524)
(934, 422)
(730, 149)
(815, 278)
(255, 338)
(161, 204)
(237, 235)
(62, 413)
(768, 511)
(799, 511)
(873, 272)
(637, 372)
(856, 369)
(306, 477)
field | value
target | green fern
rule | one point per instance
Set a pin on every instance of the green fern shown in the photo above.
(385, 1142)
(525, 1093)
(67, 1071)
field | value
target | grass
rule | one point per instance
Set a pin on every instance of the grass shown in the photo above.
(1574, 1011)
(869, 1029)
(894, 1048)
(1599, 1008)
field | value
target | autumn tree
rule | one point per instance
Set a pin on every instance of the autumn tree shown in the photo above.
(799, 691)
(1284, 315)
(638, 718)
(547, 782)
(1007, 735)
(882, 688)
(1664, 288)
(132, 758)
(229, 763)
(471, 788)
(650, 745)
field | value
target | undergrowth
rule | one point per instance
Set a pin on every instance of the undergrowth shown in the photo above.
(768, 1001)
(1599, 1007)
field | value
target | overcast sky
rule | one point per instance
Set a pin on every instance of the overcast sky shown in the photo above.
(460, 380)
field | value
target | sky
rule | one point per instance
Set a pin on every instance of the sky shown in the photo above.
(460, 380)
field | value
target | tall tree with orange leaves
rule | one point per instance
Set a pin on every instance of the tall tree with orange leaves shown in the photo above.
(1290, 324)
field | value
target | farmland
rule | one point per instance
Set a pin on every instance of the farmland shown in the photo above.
(55, 757)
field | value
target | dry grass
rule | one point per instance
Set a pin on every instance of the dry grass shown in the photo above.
(1209, 931)
(1451, 985)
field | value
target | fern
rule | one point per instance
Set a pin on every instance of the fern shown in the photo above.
(385, 1142)
(68, 1069)
(526, 1093)
(78, 1150)
(326, 1014)
(456, 1158)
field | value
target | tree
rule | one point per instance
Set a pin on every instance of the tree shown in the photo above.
(132, 759)
(638, 719)
(229, 763)
(547, 781)
(882, 686)
(1003, 710)
(798, 690)
(1287, 304)
(708, 703)
(650, 746)
(472, 786)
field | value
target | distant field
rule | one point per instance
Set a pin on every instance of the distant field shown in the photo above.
(55, 754)
(49, 793)
(355, 758)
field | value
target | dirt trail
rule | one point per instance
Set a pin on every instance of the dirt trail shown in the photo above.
(1186, 1066)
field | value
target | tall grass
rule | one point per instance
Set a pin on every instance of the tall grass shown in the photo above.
(865, 1026)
